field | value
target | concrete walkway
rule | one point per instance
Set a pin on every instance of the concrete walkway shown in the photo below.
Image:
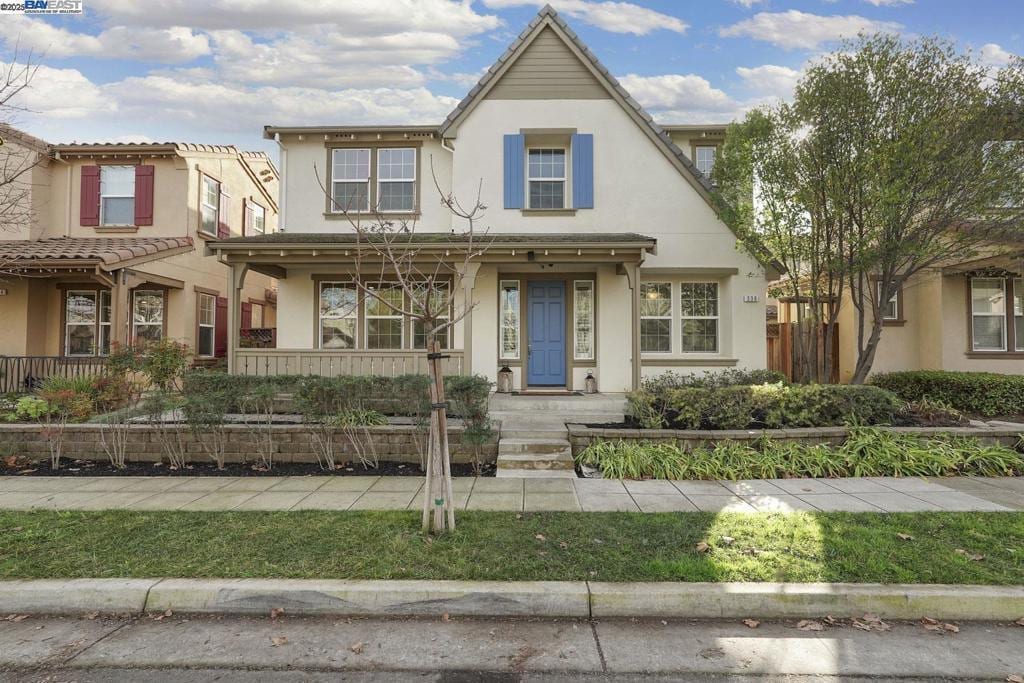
(881, 494)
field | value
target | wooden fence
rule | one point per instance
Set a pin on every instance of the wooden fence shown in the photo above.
(782, 351)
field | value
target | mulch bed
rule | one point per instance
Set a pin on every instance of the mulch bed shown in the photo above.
(88, 468)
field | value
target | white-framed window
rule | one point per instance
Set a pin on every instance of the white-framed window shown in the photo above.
(655, 317)
(442, 303)
(698, 314)
(104, 322)
(509, 319)
(147, 315)
(396, 180)
(382, 319)
(546, 178)
(890, 308)
(988, 314)
(339, 315)
(256, 319)
(583, 319)
(209, 206)
(704, 158)
(207, 321)
(117, 195)
(255, 218)
(350, 180)
(1018, 314)
(80, 316)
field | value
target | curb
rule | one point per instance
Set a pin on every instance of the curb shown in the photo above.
(567, 599)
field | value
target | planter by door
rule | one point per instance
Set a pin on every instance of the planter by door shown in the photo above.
(546, 334)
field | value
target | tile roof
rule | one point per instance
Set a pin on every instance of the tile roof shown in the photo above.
(105, 252)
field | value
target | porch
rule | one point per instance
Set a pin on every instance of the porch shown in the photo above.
(553, 308)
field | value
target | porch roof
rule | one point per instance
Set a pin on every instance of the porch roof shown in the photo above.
(273, 253)
(94, 253)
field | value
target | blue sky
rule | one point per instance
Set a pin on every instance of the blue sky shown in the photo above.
(217, 71)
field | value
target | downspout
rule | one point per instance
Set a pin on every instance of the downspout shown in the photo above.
(282, 195)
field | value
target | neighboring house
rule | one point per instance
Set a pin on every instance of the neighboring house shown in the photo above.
(605, 256)
(111, 248)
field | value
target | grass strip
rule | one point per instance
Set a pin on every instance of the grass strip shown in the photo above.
(613, 546)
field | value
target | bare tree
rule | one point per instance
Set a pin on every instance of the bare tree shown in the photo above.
(415, 276)
(19, 153)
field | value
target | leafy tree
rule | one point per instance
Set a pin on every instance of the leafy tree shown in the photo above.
(914, 166)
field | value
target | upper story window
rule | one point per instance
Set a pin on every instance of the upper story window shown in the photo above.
(704, 158)
(255, 218)
(209, 209)
(546, 178)
(350, 180)
(117, 195)
(396, 180)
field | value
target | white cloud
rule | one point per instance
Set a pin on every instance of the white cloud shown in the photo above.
(889, 3)
(174, 44)
(770, 80)
(748, 3)
(994, 55)
(355, 17)
(62, 94)
(615, 17)
(682, 97)
(796, 29)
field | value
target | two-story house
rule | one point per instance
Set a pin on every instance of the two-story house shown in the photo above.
(605, 254)
(106, 247)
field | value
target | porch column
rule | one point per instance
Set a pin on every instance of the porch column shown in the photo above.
(120, 309)
(236, 281)
(468, 283)
(633, 275)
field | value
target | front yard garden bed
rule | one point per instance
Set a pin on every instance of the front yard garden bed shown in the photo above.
(943, 547)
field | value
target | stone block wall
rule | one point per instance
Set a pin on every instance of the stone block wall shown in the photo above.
(393, 443)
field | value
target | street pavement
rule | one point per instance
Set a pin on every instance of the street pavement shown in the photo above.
(176, 648)
(854, 494)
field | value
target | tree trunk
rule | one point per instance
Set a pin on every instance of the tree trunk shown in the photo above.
(866, 357)
(438, 507)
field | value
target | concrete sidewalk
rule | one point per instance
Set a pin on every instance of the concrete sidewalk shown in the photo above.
(873, 494)
(500, 650)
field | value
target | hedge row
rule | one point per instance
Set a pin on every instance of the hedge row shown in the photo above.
(770, 406)
(979, 393)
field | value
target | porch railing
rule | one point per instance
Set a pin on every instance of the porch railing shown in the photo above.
(340, 363)
(25, 373)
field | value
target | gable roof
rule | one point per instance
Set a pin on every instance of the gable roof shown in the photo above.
(548, 19)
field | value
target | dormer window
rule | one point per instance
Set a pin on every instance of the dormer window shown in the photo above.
(546, 169)
(704, 158)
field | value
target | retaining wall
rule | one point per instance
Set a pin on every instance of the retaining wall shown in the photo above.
(393, 443)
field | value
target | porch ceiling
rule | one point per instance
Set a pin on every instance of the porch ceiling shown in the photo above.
(272, 254)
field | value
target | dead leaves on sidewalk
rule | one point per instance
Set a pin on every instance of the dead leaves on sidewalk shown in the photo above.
(936, 626)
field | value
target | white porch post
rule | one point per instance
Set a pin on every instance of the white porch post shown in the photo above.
(468, 283)
(236, 280)
(633, 277)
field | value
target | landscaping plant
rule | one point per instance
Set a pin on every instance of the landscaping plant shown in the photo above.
(158, 406)
(206, 408)
(978, 393)
(259, 403)
(60, 406)
(867, 452)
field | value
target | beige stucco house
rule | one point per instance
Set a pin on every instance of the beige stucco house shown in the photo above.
(605, 254)
(107, 246)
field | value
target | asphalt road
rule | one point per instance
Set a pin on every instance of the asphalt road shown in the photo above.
(285, 649)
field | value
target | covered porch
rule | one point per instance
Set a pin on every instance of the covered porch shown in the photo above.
(551, 308)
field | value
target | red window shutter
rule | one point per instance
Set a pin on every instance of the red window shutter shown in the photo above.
(90, 200)
(223, 229)
(220, 329)
(246, 315)
(144, 195)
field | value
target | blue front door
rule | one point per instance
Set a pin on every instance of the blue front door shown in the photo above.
(546, 334)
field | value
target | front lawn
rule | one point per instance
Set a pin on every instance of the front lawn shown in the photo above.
(963, 548)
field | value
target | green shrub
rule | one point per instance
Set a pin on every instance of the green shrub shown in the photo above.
(867, 452)
(979, 393)
(762, 406)
(730, 377)
(30, 408)
(360, 418)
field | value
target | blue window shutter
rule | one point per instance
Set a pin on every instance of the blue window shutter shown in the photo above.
(583, 170)
(515, 173)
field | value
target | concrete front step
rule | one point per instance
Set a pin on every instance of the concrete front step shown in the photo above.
(534, 474)
(554, 461)
(516, 432)
(532, 446)
(596, 403)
